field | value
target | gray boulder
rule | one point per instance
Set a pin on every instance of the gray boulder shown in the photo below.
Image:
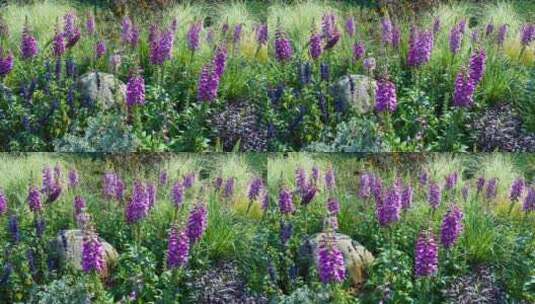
(68, 247)
(102, 88)
(357, 258)
(357, 91)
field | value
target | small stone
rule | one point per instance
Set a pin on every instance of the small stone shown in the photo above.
(358, 91)
(102, 88)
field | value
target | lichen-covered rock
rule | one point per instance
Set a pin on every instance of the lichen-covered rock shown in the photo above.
(357, 258)
(358, 91)
(68, 248)
(102, 88)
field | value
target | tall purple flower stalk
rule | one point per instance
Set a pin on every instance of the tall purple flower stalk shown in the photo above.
(314, 47)
(73, 178)
(425, 255)
(262, 34)
(388, 210)
(529, 201)
(396, 37)
(283, 47)
(220, 61)
(286, 205)
(330, 262)
(301, 182)
(387, 28)
(359, 50)
(90, 24)
(194, 36)
(452, 226)
(126, 30)
(152, 193)
(434, 196)
(451, 181)
(138, 207)
(350, 26)
(161, 45)
(135, 91)
(406, 197)
(527, 34)
(477, 66)
(13, 228)
(189, 180)
(255, 187)
(177, 194)
(330, 179)
(3, 202)
(517, 188)
(100, 49)
(436, 26)
(58, 44)
(70, 30)
(502, 34)
(208, 84)
(163, 178)
(492, 188)
(422, 178)
(236, 35)
(177, 248)
(333, 206)
(6, 63)
(28, 46)
(386, 97)
(228, 192)
(463, 95)
(480, 184)
(34, 199)
(420, 48)
(79, 205)
(197, 222)
(456, 37)
(92, 253)
(365, 186)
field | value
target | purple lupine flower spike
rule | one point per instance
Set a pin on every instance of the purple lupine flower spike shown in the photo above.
(517, 188)
(236, 35)
(330, 262)
(386, 100)
(315, 176)
(189, 180)
(434, 196)
(34, 199)
(177, 194)
(388, 210)
(135, 91)
(70, 30)
(359, 50)
(387, 29)
(177, 248)
(286, 232)
(333, 206)
(3, 203)
(218, 183)
(369, 64)
(262, 34)
(492, 188)
(502, 34)
(220, 61)
(6, 63)
(451, 181)
(13, 228)
(90, 24)
(79, 205)
(452, 226)
(283, 47)
(463, 95)
(92, 253)
(138, 207)
(100, 49)
(197, 222)
(286, 205)
(229, 187)
(58, 44)
(350, 26)
(256, 186)
(365, 186)
(425, 255)
(194, 36)
(464, 191)
(456, 36)
(436, 25)
(480, 184)
(152, 193)
(527, 34)
(330, 180)
(301, 180)
(529, 201)
(208, 84)
(163, 178)
(119, 189)
(314, 48)
(420, 48)
(477, 66)
(422, 178)
(406, 197)
(28, 47)
(74, 179)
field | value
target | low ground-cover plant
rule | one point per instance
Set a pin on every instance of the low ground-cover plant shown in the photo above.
(274, 69)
